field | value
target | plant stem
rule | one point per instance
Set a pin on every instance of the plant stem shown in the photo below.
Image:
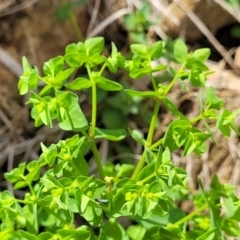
(94, 104)
(199, 117)
(153, 123)
(31, 190)
(153, 82)
(93, 125)
(149, 138)
(174, 79)
(148, 177)
(102, 69)
(94, 109)
(97, 160)
(189, 216)
(75, 26)
(139, 165)
(156, 144)
(73, 22)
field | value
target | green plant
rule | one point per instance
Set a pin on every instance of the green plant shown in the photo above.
(138, 23)
(59, 186)
(64, 11)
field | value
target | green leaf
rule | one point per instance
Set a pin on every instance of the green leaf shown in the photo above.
(93, 216)
(6, 200)
(29, 78)
(195, 142)
(194, 63)
(16, 174)
(231, 208)
(20, 184)
(197, 78)
(79, 84)
(112, 230)
(136, 232)
(137, 136)
(146, 171)
(155, 51)
(224, 122)
(75, 55)
(209, 235)
(202, 54)
(180, 51)
(34, 172)
(175, 215)
(112, 61)
(169, 234)
(160, 67)
(231, 227)
(40, 111)
(80, 163)
(62, 77)
(212, 100)
(94, 60)
(139, 49)
(172, 108)
(45, 235)
(49, 154)
(73, 117)
(176, 134)
(133, 93)
(110, 134)
(27, 236)
(124, 170)
(138, 73)
(107, 84)
(94, 45)
(54, 66)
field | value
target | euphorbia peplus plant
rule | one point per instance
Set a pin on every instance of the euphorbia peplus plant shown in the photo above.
(145, 192)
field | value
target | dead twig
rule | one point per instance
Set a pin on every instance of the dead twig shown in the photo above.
(6, 4)
(9, 62)
(94, 16)
(18, 8)
(107, 21)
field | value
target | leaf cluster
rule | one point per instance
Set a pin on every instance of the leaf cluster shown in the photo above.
(60, 184)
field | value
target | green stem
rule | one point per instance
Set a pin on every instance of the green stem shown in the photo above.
(31, 190)
(73, 22)
(102, 69)
(94, 109)
(139, 165)
(94, 104)
(153, 82)
(199, 117)
(156, 144)
(75, 26)
(148, 177)
(153, 123)
(97, 160)
(174, 79)
(149, 138)
(189, 216)
(93, 125)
